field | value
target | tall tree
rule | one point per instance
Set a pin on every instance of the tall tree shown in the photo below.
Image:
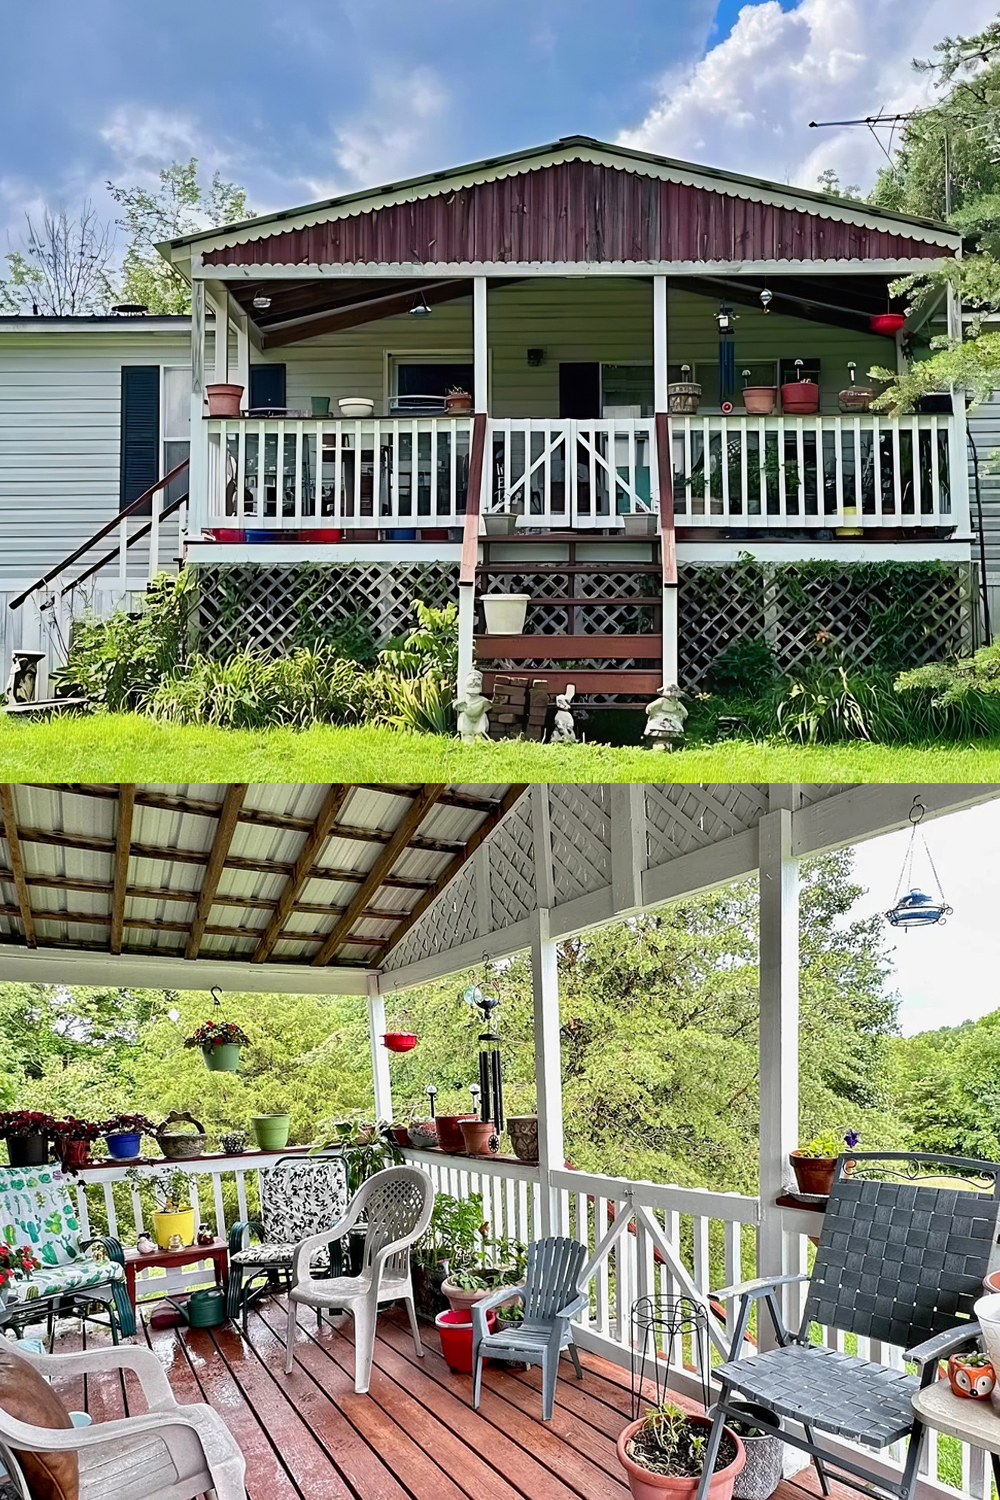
(182, 204)
(65, 265)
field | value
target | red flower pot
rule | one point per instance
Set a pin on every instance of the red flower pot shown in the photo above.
(450, 1136)
(400, 1041)
(73, 1154)
(646, 1485)
(800, 397)
(400, 1135)
(455, 1329)
(889, 323)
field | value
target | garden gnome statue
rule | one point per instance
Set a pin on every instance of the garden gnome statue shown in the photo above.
(473, 710)
(564, 730)
(665, 719)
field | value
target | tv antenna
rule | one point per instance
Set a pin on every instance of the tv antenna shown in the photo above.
(870, 122)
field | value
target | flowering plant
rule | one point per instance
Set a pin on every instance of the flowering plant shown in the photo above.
(217, 1034)
(15, 1260)
(72, 1129)
(17, 1122)
(127, 1125)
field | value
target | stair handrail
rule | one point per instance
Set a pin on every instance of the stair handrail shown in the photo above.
(99, 536)
(137, 536)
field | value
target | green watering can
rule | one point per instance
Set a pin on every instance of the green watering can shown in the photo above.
(204, 1309)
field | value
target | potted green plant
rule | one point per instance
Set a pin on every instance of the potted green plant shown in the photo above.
(490, 1264)
(457, 398)
(815, 1162)
(123, 1135)
(15, 1260)
(73, 1139)
(452, 1232)
(174, 1213)
(27, 1133)
(220, 1043)
(271, 1131)
(663, 1454)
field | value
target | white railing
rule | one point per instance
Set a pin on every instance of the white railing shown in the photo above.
(572, 474)
(321, 474)
(856, 471)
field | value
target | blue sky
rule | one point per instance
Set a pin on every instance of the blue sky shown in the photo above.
(304, 98)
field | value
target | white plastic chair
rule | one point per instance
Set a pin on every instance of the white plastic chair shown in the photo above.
(171, 1451)
(396, 1205)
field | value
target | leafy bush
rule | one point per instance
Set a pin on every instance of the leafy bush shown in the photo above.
(959, 698)
(746, 665)
(254, 691)
(120, 661)
(429, 649)
(420, 703)
(821, 706)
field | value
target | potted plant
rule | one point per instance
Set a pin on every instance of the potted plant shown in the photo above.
(855, 397)
(505, 613)
(423, 1134)
(684, 395)
(356, 407)
(484, 1267)
(972, 1376)
(224, 400)
(174, 1214)
(27, 1133)
(178, 1143)
(457, 398)
(123, 1133)
(480, 1137)
(815, 1162)
(453, 1221)
(449, 1131)
(234, 1142)
(761, 1474)
(800, 397)
(663, 1455)
(220, 1043)
(73, 1140)
(271, 1131)
(759, 400)
(523, 1132)
(15, 1260)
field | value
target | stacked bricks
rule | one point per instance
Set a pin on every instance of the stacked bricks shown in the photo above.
(519, 708)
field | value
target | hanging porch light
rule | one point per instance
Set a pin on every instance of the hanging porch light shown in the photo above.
(913, 907)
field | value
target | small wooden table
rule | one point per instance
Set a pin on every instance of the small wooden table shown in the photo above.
(217, 1252)
(962, 1417)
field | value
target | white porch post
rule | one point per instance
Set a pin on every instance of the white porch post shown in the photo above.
(241, 374)
(466, 636)
(548, 1069)
(958, 439)
(778, 1031)
(480, 345)
(220, 307)
(381, 1085)
(198, 466)
(661, 377)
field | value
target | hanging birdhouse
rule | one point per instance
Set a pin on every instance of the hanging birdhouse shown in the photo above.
(914, 907)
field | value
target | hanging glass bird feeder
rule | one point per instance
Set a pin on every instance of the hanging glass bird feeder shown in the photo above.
(913, 907)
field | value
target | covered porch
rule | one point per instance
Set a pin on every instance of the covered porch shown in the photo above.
(422, 884)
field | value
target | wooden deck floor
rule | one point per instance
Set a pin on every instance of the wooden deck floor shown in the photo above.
(415, 1436)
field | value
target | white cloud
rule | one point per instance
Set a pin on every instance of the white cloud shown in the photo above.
(144, 140)
(747, 104)
(396, 131)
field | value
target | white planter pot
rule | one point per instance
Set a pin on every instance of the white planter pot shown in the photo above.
(354, 407)
(505, 613)
(986, 1313)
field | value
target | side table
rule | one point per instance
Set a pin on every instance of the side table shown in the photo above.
(974, 1422)
(217, 1252)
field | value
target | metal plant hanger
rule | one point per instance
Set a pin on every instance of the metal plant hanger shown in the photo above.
(913, 907)
(660, 1328)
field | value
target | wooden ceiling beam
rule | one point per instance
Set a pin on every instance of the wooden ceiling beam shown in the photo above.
(190, 898)
(11, 834)
(119, 878)
(163, 924)
(486, 827)
(224, 830)
(414, 816)
(62, 945)
(315, 839)
(366, 312)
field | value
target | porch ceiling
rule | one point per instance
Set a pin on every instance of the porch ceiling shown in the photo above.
(282, 877)
(841, 301)
(301, 309)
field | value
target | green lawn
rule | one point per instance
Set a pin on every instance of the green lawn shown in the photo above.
(119, 747)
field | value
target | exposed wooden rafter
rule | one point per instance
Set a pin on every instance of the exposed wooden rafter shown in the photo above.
(315, 839)
(225, 828)
(123, 845)
(371, 311)
(411, 821)
(10, 833)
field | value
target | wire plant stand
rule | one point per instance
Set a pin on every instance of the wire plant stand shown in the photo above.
(667, 1333)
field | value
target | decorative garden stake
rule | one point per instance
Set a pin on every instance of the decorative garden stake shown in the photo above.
(916, 908)
(431, 1093)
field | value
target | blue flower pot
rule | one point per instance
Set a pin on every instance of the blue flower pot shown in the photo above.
(124, 1145)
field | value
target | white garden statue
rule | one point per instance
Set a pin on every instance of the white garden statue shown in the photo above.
(564, 729)
(665, 719)
(473, 710)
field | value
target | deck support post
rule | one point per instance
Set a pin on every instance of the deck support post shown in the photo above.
(220, 307)
(480, 344)
(959, 444)
(778, 1026)
(198, 466)
(661, 376)
(242, 371)
(381, 1085)
(548, 1069)
(466, 634)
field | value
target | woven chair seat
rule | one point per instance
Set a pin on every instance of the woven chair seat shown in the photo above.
(830, 1390)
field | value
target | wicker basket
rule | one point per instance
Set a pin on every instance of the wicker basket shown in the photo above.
(856, 398)
(178, 1144)
(683, 397)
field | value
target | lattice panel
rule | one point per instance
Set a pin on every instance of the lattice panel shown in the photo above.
(682, 818)
(447, 923)
(276, 606)
(579, 818)
(512, 869)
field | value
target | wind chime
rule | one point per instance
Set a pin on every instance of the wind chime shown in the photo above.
(727, 356)
(916, 908)
(489, 1100)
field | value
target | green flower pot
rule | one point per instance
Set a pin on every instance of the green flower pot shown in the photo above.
(223, 1057)
(271, 1131)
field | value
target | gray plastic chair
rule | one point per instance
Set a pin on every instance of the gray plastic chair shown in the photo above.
(898, 1262)
(551, 1299)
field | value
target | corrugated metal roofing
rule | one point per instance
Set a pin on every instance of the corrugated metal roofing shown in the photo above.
(66, 838)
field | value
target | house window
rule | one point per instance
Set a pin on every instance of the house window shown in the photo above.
(176, 426)
(627, 390)
(267, 388)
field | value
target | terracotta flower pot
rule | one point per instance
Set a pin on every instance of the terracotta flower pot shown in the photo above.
(814, 1174)
(224, 400)
(646, 1485)
(760, 400)
(461, 1300)
(458, 401)
(478, 1136)
(449, 1128)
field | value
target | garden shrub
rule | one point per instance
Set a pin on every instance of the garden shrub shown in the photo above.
(430, 649)
(118, 662)
(959, 697)
(746, 666)
(252, 690)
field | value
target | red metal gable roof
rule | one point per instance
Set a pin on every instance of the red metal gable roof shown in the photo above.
(577, 211)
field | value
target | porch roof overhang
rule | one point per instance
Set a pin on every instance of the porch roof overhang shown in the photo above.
(330, 888)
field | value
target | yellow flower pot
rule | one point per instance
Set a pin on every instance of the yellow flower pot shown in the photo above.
(179, 1221)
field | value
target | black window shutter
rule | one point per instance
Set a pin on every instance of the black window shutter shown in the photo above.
(140, 431)
(579, 390)
(267, 385)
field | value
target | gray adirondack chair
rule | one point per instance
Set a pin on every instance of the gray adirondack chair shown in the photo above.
(899, 1262)
(551, 1299)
